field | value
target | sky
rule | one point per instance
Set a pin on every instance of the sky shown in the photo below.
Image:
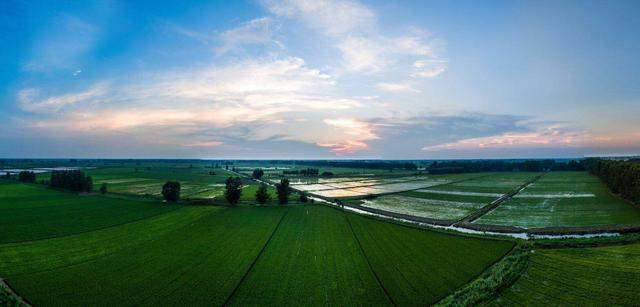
(319, 79)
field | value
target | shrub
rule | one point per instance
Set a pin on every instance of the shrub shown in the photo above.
(303, 197)
(171, 191)
(262, 195)
(257, 173)
(27, 176)
(233, 190)
(283, 191)
(103, 188)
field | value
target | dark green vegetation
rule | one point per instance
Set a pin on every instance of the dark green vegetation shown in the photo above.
(578, 277)
(72, 180)
(204, 255)
(33, 212)
(564, 199)
(27, 177)
(501, 275)
(476, 166)
(622, 177)
(171, 191)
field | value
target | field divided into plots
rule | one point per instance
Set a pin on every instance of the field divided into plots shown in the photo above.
(195, 182)
(451, 201)
(197, 255)
(564, 199)
(363, 186)
(578, 277)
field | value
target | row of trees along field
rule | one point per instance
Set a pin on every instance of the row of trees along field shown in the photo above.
(474, 166)
(73, 180)
(622, 177)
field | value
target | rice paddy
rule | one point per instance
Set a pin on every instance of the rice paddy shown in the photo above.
(564, 199)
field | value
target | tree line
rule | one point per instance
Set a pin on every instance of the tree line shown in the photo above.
(622, 177)
(473, 166)
(73, 180)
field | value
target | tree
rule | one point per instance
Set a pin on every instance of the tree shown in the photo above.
(303, 197)
(283, 191)
(27, 176)
(233, 190)
(103, 188)
(257, 173)
(326, 174)
(262, 194)
(74, 180)
(171, 191)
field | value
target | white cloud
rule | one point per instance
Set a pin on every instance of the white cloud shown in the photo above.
(395, 87)
(247, 95)
(352, 28)
(331, 17)
(552, 136)
(256, 31)
(28, 98)
(429, 68)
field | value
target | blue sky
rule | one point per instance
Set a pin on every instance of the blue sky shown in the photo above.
(319, 79)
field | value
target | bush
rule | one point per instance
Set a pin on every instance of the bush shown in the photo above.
(171, 191)
(262, 194)
(303, 197)
(103, 188)
(74, 180)
(283, 191)
(26, 176)
(257, 173)
(233, 190)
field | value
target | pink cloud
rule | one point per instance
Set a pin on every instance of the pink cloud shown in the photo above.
(204, 144)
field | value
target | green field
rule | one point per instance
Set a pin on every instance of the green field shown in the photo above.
(147, 180)
(578, 277)
(198, 255)
(564, 199)
(32, 212)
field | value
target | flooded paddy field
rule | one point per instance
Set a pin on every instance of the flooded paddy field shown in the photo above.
(564, 199)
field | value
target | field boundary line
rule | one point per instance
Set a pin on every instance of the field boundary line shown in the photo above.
(494, 204)
(364, 254)
(260, 253)
(510, 252)
(382, 194)
(12, 293)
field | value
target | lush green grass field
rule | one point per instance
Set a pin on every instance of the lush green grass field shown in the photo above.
(420, 267)
(196, 264)
(578, 277)
(33, 212)
(312, 260)
(564, 199)
(198, 255)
